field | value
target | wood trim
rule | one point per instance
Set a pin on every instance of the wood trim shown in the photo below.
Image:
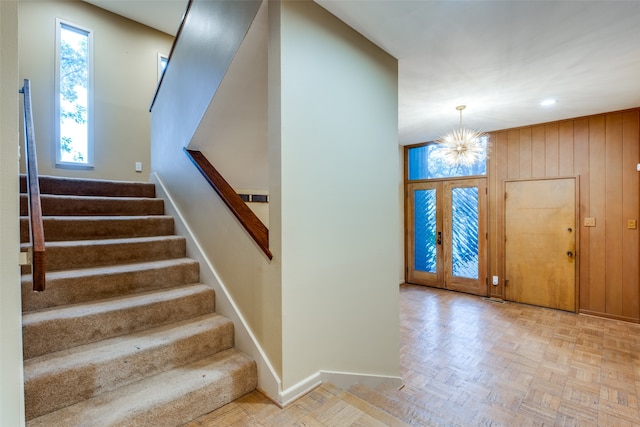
(173, 46)
(234, 202)
(38, 263)
(608, 316)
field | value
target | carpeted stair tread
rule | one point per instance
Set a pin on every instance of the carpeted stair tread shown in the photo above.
(123, 335)
(93, 253)
(59, 205)
(91, 187)
(69, 326)
(60, 379)
(95, 283)
(65, 228)
(170, 399)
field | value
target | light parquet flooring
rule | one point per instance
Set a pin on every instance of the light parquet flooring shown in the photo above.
(327, 405)
(467, 361)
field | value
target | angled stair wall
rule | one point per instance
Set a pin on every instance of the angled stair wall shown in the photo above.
(124, 334)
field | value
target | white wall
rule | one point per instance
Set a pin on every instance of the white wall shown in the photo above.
(11, 378)
(233, 131)
(198, 65)
(125, 58)
(339, 198)
(328, 301)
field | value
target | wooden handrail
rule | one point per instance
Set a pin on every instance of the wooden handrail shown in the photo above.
(173, 46)
(33, 195)
(234, 202)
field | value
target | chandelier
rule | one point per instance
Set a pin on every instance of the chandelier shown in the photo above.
(463, 146)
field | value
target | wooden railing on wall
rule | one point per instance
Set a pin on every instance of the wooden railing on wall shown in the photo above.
(234, 202)
(33, 194)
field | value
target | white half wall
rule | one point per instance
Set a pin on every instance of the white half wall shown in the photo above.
(11, 376)
(339, 211)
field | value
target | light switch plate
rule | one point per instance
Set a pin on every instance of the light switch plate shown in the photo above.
(138, 166)
(23, 258)
(589, 222)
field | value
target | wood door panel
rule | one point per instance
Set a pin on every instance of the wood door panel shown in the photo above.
(417, 275)
(540, 241)
(476, 285)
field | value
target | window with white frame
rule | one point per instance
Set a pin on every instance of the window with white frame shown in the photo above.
(74, 95)
(163, 60)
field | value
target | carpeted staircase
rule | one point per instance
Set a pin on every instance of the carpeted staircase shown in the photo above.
(124, 334)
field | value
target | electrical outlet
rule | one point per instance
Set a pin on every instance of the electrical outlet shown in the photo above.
(589, 222)
(495, 281)
(138, 166)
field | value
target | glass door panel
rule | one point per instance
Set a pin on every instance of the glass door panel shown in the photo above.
(425, 249)
(464, 232)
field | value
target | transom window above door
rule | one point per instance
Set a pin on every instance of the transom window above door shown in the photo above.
(428, 162)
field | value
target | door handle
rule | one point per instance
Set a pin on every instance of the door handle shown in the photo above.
(569, 254)
(439, 241)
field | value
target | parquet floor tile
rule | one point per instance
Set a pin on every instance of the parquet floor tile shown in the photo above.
(471, 362)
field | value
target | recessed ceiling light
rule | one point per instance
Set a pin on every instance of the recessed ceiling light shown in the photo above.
(548, 102)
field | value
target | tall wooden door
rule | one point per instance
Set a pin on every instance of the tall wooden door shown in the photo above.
(540, 242)
(446, 242)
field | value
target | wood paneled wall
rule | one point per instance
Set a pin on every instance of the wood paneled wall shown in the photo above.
(602, 150)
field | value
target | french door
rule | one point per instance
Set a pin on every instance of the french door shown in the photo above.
(446, 241)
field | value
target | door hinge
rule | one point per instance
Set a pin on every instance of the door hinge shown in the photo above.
(505, 196)
(486, 236)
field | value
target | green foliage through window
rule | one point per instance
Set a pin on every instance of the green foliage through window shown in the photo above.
(73, 84)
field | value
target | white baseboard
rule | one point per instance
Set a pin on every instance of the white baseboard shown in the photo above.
(300, 389)
(268, 381)
(343, 380)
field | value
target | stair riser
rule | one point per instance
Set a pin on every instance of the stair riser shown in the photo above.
(81, 187)
(79, 206)
(86, 287)
(49, 391)
(200, 388)
(124, 335)
(63, 256)
(43, 335)
(71, 228)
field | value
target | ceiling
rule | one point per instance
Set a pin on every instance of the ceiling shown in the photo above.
(499, 58)
(163, 15)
